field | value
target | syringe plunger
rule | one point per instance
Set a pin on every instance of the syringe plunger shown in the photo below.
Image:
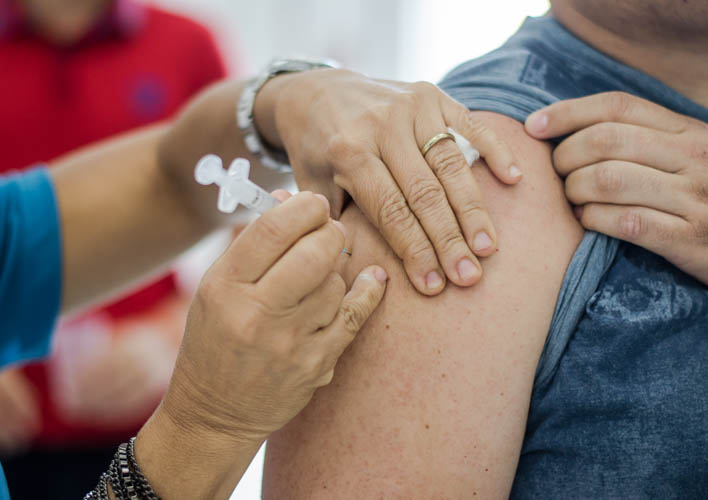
(234, 186)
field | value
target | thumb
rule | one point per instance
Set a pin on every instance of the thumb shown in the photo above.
(363, 298)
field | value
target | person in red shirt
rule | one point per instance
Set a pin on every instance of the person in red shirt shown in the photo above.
(74, 72)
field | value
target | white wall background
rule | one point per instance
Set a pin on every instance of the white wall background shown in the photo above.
(404, 39)
(398, 39)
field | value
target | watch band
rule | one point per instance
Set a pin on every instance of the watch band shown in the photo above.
(275, 160)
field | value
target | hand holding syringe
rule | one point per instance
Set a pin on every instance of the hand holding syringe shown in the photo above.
(235, 188)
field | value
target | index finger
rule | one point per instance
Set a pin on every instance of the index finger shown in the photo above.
(491, 147)
(566, 117)
(380, 199)
(266, 239)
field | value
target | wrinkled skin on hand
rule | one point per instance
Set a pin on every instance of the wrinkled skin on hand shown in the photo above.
(268, 323)
(348, 135)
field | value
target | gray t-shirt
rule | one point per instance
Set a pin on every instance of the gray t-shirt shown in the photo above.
(620, 401)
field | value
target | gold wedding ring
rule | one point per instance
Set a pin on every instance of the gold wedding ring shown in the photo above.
(434, 140)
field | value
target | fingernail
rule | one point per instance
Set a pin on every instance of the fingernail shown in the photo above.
(482, 242)
(433, 280)
(467, 269)
(281, 194)
(514, 172)
(324, 200)
(380, 275)
(537, 123)
(340, 226)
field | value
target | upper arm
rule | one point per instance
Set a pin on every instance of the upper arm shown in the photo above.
(431, 399)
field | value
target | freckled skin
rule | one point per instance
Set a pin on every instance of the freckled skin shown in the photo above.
(390, 425)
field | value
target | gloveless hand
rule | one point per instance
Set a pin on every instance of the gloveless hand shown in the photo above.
(346, 133)
(268, 323)
(638, 171)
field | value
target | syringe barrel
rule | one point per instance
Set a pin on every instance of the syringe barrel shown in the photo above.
(257, 198)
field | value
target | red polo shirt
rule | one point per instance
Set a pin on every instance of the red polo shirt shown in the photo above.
(136, 66)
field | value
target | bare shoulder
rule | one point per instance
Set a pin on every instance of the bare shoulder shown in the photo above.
(431, 399)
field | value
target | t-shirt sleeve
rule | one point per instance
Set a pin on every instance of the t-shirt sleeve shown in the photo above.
(30, 265)
(509, 82)
(501, 82)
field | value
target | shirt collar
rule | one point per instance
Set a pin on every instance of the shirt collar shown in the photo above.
(124, 18)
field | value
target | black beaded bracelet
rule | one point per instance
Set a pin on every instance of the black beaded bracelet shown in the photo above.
(125, 477)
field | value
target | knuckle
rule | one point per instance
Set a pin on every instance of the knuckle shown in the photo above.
(474, 128)
(605, 138)
(471, 208)
(311, 365)
(340, 149)
(632, 225)
(425, 87)
(315, 208)
(608, 180)
(424, 194)
(449, 239)
(251, 323)
(416, 252)
(282, 348)
(618, 104)
(206, 292)
(636, 227)
(446, 160)
(480, 130)
(394, 212)
(403, 100)
(263, 310)
(210, 292)
(354, 314)
(424, 90)
(269, 229)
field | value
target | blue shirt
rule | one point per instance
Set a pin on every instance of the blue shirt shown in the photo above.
(30, 269)
(620, 401)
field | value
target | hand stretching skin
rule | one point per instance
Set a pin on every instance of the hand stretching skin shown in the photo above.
(346, 133)
(638, 171)
(268, 323)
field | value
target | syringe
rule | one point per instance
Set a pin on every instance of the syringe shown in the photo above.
(234, 186)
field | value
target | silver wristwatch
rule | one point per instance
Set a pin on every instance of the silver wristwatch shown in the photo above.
(276, 160)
